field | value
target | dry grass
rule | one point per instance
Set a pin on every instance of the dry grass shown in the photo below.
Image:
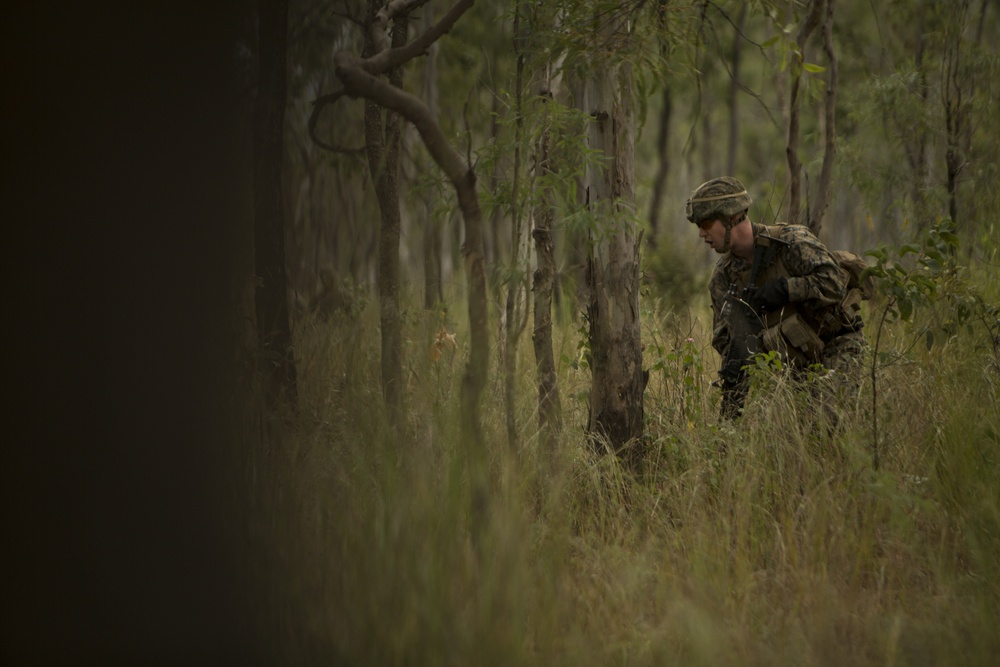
(773, 543)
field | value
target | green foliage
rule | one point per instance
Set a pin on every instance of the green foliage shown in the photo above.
(919, 281)
(927, 274)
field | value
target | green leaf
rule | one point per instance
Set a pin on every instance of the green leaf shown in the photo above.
(905, 308)
(813, 68)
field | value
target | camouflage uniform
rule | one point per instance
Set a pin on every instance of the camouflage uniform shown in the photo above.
(806, 311)
(817, 287)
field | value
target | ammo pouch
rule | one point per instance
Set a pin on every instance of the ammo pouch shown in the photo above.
(794, 340)
(845, 315)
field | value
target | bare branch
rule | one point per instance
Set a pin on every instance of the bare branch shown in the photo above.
(389, 58)
(319, 104)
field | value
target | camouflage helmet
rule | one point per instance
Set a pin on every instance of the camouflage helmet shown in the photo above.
(721, 197)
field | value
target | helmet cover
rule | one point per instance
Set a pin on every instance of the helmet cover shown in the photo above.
(722, 197)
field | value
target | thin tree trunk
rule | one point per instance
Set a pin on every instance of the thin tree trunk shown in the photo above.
(955, 108)
(359, 80)
(492, 248)
(734, 89)
(383, 161)
(511, 328)
(433, 288)
(792, 146)
(830, 138)
(662, 168)
(549, 405)
(703, 138)
(271, 299)
(919, 162)
(618, 381)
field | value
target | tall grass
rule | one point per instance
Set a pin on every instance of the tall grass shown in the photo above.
(768, 542)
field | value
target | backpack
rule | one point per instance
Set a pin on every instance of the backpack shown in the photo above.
(855, 266)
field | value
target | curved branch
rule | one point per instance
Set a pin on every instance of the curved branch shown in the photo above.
(358, 82)
(319, 104)
(389, 58)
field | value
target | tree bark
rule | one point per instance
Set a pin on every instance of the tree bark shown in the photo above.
(830, 118)
(795, 80)
(382, 143)
(271, 298)
(618, 381)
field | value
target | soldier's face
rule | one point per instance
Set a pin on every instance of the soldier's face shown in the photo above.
(713, 233)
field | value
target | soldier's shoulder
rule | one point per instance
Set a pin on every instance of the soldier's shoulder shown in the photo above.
(792, 234)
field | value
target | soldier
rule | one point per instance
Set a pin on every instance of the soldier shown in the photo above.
(789, 289)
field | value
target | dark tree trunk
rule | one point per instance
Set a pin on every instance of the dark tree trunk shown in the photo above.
(383, 162)
(433, 288)
(271, 298)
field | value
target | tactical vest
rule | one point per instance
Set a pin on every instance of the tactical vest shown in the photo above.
(799, 332)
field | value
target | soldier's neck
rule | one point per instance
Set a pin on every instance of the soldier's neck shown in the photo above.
(742, 240)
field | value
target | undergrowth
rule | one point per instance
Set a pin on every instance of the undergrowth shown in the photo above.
(769, 541)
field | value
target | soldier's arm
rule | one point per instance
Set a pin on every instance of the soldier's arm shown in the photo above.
(814, 274)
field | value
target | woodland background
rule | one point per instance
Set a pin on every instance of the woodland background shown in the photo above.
(164, 505)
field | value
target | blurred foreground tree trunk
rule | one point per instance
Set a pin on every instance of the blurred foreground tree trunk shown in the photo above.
(271, 297)
(617, 378)
(382, 141)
